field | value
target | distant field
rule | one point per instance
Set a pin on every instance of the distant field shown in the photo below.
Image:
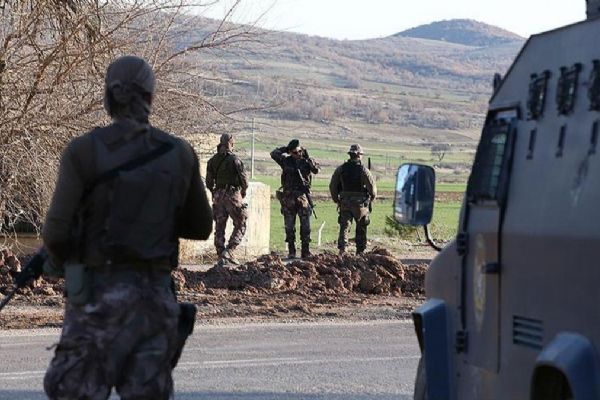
(385, 186)
(443, 227)
(385, 160)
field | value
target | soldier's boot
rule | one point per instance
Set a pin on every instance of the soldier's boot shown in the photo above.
(341, 252)
(228, 255)
(306, 250)
(291, 250)
(220, 259)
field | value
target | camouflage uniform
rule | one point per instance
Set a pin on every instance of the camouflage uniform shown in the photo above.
(296, 177)
(228, 182)
(121, 320)
(353, 188)
(95, 351)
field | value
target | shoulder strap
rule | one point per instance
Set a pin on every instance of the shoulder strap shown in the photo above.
(127, 166)
(342, 174)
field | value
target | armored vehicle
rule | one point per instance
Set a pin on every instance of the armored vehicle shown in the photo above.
(513, 303)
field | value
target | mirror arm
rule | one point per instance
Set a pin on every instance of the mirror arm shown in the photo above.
(430, 240)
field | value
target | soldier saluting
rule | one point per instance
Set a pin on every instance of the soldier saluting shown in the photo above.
(296, 177)
(228, 182)
(353, 188)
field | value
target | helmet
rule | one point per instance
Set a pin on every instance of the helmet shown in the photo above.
(226, 138)
(355, 149)
(293, 144)
(129, 85)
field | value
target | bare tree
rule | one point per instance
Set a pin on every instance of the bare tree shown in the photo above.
(53, 56)
(439, 150)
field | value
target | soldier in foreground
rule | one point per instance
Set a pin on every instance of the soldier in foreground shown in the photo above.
(296, 177)
(128, 191)
(228, 182)
(353, 189)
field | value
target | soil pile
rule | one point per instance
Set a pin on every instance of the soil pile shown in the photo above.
(10, 266)
(376, 272)
(371, 286)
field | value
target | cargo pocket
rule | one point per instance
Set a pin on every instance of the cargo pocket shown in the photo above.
(77, 284)
(68, 360)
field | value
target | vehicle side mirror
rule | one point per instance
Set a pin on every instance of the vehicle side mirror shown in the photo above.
(415, 194)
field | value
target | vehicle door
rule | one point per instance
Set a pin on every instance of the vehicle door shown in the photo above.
(480, 241)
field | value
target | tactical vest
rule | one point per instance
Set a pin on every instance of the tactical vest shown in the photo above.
(351, 177)
(139, 205)
(226, 173)
(294, 173)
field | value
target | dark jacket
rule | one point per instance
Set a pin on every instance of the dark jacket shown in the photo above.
(225, 169)
(296, 174)
(352, 179)
(188, 214)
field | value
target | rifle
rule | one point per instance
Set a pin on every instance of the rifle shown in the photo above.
(32, 270)
(306, 191)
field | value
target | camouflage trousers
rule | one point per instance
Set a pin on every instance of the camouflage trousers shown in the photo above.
(296, 204)
(229, 204)
(126, 339)
(349, 213)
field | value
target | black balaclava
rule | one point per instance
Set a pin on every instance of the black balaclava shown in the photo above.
(129, 86)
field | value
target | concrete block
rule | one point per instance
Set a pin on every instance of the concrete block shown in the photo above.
(258, 232)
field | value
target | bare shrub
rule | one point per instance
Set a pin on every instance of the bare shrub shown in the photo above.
(53, 56)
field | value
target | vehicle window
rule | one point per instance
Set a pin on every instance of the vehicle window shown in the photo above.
(490, 161)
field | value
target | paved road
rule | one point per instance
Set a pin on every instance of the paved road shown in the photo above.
(295, 361)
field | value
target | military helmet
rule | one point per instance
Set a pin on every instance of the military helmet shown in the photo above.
(127, 79)
(355, 149)
(226, 138)
(293, 144)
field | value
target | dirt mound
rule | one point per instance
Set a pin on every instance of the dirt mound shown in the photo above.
(414, 283)
(375, 272)
(371, 286)
(10, 266)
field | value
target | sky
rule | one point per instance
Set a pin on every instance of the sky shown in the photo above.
(366, 19)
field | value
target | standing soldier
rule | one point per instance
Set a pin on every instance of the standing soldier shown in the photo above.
(296, 177)
(227, 180)
(353, 189)
(125, 194)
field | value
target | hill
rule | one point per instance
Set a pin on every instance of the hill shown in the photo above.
(398, 95)
(431, 90)
(462, 31)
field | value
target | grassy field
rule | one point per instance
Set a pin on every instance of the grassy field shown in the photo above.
(443, 227)
(385, 159)
(386, 186)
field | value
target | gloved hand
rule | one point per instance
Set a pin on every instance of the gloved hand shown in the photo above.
(32, 270)
(294, 143)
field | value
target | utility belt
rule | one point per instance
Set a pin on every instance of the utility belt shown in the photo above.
(130, 274)
(355, 198)
(81, 279)
(232, 188)
(280, 193)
